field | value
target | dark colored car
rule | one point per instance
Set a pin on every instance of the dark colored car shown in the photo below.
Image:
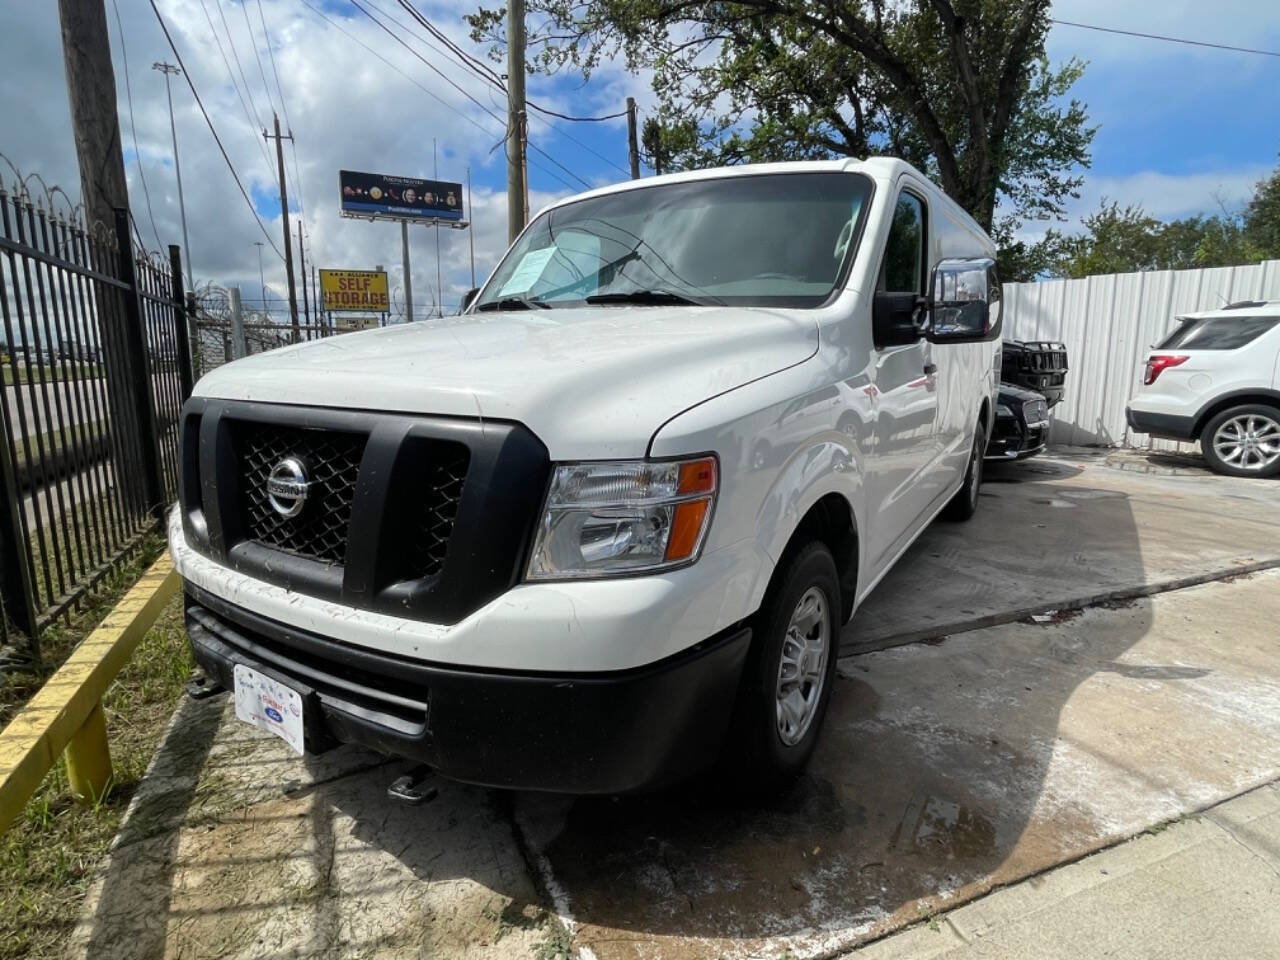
(1033, 379)
(1022, 424)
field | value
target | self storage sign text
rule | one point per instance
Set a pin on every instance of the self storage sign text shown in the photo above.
(363, 291)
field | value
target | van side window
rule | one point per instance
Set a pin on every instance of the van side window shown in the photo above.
(902, 270)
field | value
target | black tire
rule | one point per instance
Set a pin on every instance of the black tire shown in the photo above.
(965, 503)
(1267, 419)
(756, 755)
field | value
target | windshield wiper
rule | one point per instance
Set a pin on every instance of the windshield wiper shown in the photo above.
(643, 296)
(513, 303)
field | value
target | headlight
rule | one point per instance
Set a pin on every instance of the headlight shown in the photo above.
(1003, 411)
(622, 517)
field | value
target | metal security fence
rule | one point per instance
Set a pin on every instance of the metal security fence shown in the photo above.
(223, 331)
(1109, 323)
(96, 364)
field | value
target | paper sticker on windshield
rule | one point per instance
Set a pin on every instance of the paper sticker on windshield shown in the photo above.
(528, 271)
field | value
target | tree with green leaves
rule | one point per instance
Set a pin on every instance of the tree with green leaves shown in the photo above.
(960, 88)
(1262, 217)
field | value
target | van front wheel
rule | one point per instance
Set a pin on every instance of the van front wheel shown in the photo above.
(965, 503)
(789, 674)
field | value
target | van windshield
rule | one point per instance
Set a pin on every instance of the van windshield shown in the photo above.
(759, 240)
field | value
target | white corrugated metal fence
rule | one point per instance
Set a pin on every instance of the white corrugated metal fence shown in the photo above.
(1109, 323)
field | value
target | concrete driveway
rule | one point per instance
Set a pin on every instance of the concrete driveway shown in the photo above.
(948, 768)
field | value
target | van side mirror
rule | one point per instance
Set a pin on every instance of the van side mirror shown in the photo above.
(964, 301)
(897, 319)
(468, 297)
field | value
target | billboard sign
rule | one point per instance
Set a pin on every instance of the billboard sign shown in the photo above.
(354, 291)
(376, 195)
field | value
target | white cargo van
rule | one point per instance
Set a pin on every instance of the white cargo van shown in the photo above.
(605, 526)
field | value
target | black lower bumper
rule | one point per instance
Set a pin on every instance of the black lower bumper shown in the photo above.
(1162, 425)
(583, 733)
(1013, 440)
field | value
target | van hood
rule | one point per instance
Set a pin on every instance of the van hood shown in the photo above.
(591, 382)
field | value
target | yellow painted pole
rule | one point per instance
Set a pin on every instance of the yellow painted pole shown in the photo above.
(89, 758)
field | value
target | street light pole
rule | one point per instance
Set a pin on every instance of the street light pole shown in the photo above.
(168, 69)
(261, 278)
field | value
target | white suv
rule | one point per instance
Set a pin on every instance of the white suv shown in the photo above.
(1216, 379)
(611, 519)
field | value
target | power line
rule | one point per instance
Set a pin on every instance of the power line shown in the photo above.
(447, 79)
(258, 124)
(427, 90)
(254, 123)
(253, 41)
(495, 81)
(218, 140)
(1156, 36)
(565, 116)
(293, 149)
(487, 74)
(133, 129)
(477, 66)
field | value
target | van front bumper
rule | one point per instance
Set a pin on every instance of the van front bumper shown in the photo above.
(583, 733)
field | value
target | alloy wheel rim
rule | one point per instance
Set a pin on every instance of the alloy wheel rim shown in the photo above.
(802, 669)
(1249, 442)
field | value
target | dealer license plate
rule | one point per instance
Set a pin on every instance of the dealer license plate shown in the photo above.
(269, 705)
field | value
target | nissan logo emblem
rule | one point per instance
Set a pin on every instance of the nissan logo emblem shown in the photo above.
(287, 487)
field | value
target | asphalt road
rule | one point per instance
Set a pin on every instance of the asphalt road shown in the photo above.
(41, 408)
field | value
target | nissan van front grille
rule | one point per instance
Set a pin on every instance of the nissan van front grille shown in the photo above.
(331, 461)
(441, 491)
(414, 516)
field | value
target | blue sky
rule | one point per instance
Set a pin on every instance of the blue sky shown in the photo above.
(1182, 129)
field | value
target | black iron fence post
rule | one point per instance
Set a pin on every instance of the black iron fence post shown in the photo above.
(16, 589)
(186, 379)
(137, 370)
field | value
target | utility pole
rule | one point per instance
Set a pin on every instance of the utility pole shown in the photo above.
(633, 149)
(284, 212)
(91, 94)
(435, 174)
(408, 282)
(91, 89)
(321, 320)
(471, 229)
(517, 206)
(302, 267)
(168, 69)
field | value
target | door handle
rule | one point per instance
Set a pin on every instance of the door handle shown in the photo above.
(930, 369)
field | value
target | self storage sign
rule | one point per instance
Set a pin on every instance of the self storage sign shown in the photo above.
(354, 291)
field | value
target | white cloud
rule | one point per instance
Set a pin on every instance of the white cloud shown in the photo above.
(1169, 196)
(347, 109)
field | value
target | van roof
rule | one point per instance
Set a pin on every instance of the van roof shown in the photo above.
(884, 169)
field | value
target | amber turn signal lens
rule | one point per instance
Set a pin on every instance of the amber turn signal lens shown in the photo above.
(686, 528)
(697, 476)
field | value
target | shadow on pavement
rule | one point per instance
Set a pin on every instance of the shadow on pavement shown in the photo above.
(921, 792)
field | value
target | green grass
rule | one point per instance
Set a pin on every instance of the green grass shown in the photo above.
(97, 515)
(55, 441)
(64, 370)
(48, 856)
